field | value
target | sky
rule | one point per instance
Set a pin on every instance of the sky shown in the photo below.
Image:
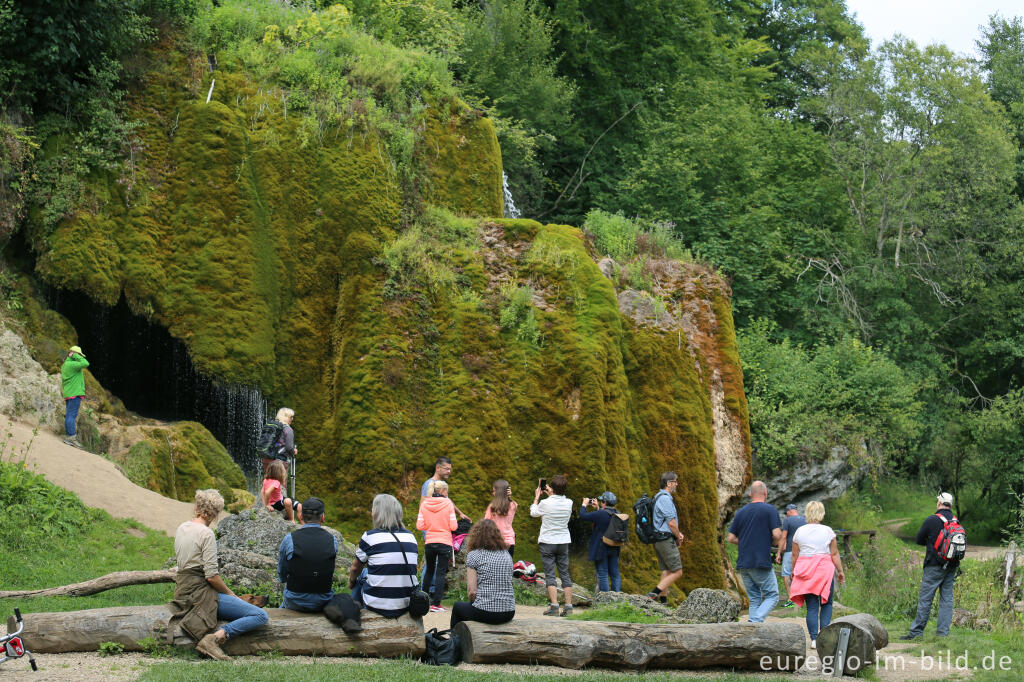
(953, 22)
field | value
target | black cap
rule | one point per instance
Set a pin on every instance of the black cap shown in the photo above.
(788, 507)
(313, 507)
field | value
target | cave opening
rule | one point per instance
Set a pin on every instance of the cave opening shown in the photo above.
(154, 376)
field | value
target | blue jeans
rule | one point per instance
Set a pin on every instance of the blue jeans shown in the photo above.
(608, 569)
(763, 591)
(357, 589)
(71, 406)
(243, 615)
(814, 605)
(935, 579)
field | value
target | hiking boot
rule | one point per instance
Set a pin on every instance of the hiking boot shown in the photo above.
(208, 645)
(909, 636)
(566, 611)
(552, 610)
(74, 442)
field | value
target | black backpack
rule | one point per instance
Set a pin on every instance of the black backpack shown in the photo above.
(644, 511)
(269, 445)
(617, 532)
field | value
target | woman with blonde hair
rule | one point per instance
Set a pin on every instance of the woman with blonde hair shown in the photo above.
(284, 448)
(437, 517)
(200, 595)
(816, 564)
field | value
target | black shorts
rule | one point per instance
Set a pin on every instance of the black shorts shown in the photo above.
(279, 505)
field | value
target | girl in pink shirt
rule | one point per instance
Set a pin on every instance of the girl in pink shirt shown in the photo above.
(502, 510)
(273, 498)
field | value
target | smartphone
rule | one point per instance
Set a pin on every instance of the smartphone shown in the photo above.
(543, 484)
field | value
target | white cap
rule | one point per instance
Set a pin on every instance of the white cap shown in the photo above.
(946, 499)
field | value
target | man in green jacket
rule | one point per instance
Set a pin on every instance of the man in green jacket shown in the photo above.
(73, 385)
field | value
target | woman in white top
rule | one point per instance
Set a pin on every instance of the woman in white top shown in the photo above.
(554, 540)
(816, 563)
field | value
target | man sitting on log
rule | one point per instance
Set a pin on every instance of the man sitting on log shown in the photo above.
(306, 562)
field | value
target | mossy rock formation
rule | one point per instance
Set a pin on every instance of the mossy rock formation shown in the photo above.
(276, 266)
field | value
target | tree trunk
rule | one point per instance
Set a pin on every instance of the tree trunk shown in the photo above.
(288, 632)
(109, 581)
(867, 635)
(635, 646)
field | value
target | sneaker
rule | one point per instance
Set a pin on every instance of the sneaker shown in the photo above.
(73, 442)
(654, 596)
(789, 604)
(909, 636)
(436, 608)
(552, 610)
(566, 611)
(814, 644)
(208, 645)
(663, 600)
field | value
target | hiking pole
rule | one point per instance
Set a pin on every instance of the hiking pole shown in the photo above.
(293, 464)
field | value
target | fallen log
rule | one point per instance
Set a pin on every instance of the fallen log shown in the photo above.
(867, 635)
(109, 581)
(635, 646)
(288, 632)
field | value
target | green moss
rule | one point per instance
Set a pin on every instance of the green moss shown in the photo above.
(181, 459)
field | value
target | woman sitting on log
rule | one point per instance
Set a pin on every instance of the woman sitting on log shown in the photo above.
(200, 595)
(815, 564)
(383, 574)
(488, 578)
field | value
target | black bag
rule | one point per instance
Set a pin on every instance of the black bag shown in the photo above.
(644, 511)
(269, 445)
(333, 611)
(617, 532)
(419, 601)
(443, 648)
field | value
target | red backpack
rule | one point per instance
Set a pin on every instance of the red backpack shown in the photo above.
(951, 544)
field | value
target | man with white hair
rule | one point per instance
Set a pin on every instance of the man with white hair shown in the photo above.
(939, 573)
(755, 528)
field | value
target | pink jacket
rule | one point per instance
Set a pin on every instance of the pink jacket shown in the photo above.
(504, 523)
(437, 517)
(812, 574)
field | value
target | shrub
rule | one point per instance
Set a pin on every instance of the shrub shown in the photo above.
(111, 648)
(34, 508)
(518, 313)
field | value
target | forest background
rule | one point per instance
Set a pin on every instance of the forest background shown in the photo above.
(863, 201)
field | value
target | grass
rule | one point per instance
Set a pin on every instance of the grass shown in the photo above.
(622, 612)
(382, 671)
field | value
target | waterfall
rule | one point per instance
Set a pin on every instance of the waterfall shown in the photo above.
(510, 206)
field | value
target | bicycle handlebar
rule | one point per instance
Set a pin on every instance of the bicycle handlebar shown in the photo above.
(17, 615)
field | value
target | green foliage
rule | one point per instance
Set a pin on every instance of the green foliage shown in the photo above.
(429, 24)
(623, 612)
(111, 648)
(803, 402)
(430, 255)
(518, 313)
(36, 509)
(623, 238)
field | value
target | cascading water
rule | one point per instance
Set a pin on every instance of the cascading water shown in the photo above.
(153, 374)
(510, 206)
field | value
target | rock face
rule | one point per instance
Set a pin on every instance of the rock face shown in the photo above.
(27, 392)
(499, 343)
(812, 479)
(708, 606)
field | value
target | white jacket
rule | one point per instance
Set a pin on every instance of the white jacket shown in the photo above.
(554, 525)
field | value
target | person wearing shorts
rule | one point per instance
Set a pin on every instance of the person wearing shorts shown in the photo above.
(554, 540)
(666, 521)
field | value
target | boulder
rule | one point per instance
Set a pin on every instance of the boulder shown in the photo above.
(27, 391)
(260, 531)
(648, 606)
(703, 605)
(812, 478)
(580, 595)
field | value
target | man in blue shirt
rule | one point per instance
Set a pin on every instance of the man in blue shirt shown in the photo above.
(794, 519)
(306, 561)
(755, 528)
(666, 522)
(442, 470)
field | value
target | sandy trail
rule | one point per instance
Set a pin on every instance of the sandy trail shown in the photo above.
(96, 480)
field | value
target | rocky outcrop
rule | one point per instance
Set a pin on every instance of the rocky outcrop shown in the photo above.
(27, 392)
(259, 531)
(812, 479)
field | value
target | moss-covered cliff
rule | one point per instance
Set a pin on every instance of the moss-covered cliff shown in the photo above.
(400, 332)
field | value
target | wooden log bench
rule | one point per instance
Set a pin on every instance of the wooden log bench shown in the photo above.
(287, 632)
(635, 646)
(866, 636)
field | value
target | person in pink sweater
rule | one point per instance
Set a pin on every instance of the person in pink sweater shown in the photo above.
(502, 510)
(437, 518)
(816, 564)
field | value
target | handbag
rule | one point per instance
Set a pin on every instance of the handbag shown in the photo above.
(443, 648)
(419, 601)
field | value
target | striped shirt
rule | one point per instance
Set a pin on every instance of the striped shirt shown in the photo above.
(390, 577)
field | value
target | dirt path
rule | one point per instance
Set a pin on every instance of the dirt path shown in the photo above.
(96, 480)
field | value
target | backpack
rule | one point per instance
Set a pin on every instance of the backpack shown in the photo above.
(951, 545)
(617, 532)
(269, 445)
(644, 511)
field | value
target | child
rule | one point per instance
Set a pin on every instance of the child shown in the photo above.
(502, 510)
(272, 496)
